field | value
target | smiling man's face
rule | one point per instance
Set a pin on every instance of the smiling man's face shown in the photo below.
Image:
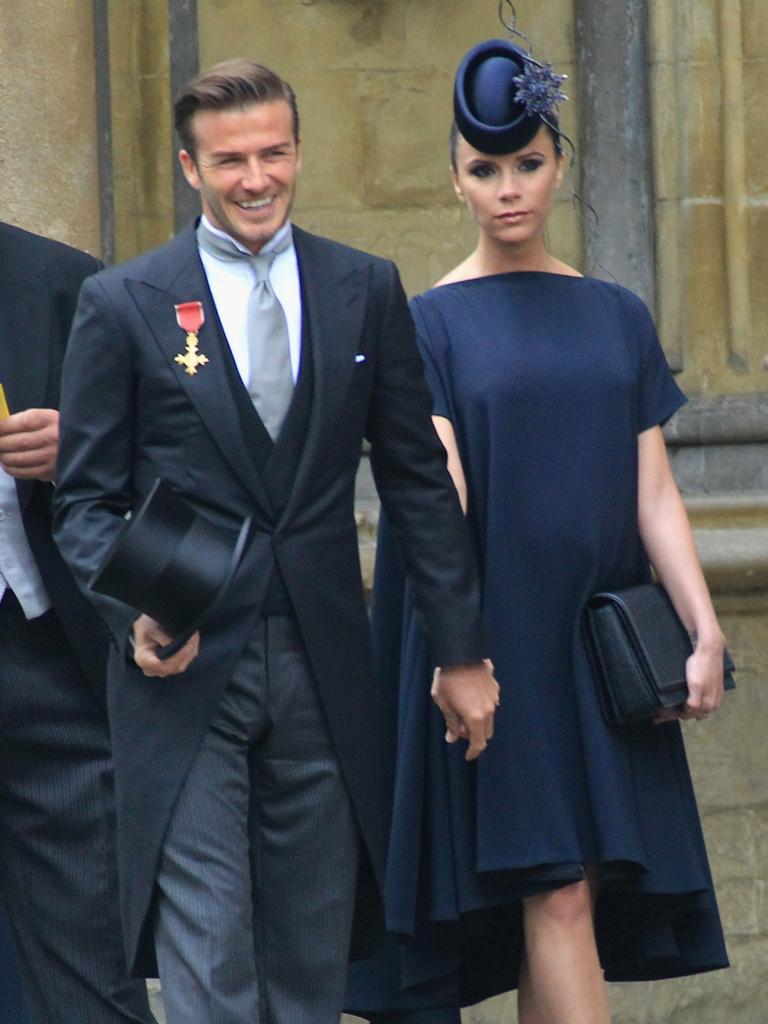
(245, 165)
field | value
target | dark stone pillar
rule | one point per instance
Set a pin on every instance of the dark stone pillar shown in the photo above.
(104, 129)
(185, 63)
(615, 146)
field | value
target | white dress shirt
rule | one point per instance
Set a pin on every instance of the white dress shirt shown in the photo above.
(231, 283)
(18, 570)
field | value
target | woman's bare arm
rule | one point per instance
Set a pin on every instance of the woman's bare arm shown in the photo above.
(668, 540)
(446, 433)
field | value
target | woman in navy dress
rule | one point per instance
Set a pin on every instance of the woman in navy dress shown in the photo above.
(571, 851)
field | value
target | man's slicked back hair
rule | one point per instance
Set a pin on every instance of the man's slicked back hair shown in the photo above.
(231, 85)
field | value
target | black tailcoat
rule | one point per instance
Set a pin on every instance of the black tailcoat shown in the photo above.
(130, 413)
(40, 280)
(56, 807)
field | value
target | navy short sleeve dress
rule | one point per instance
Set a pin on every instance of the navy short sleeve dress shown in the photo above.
(547, 381)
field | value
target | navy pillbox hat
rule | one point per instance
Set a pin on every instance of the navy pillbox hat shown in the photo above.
(485, 105)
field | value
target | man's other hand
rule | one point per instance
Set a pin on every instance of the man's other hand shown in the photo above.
(29, 442)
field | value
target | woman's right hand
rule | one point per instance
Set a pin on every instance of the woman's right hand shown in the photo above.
(704, 676)
(468, 696)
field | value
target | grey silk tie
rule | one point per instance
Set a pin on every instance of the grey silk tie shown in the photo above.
(270, 379)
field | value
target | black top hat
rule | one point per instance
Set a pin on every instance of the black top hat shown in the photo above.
(172, 563)
(502, 96)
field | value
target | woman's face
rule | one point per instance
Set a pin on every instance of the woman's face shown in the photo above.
(509, 196)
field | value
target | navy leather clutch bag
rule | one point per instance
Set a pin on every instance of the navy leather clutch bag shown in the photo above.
(639, 647)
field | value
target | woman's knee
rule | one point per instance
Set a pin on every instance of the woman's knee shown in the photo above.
(566, 907)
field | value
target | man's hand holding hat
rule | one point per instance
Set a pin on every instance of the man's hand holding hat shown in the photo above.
(148, 635)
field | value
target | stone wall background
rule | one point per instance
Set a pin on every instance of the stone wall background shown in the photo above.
(49, 173)
(709, 69)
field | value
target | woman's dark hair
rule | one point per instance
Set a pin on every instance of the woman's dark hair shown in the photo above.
(552, 125)
(231, 85)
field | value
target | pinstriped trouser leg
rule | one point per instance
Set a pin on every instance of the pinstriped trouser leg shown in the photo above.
(12, 1007)
(258, 873)
(57, 859)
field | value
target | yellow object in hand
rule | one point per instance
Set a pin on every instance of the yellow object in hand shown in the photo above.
(4, 410)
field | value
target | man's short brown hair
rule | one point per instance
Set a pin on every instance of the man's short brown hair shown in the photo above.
(231, 85)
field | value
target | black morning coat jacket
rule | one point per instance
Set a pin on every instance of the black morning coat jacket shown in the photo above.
(130, 413)
(39, 284)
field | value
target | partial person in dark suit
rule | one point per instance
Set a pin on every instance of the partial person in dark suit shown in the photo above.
(248, 776)
(57, 849)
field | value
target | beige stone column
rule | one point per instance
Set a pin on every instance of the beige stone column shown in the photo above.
(49, 181)
(710, 128)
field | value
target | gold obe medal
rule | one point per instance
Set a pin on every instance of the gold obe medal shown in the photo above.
(190, 318)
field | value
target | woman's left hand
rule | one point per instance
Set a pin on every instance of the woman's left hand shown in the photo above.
(704, 675)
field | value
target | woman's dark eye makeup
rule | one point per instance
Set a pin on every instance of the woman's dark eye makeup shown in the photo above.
(527, 165)
(483, 170)
(530, 164)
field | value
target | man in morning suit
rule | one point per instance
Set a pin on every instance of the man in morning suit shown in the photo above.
(57, 847)
(250, 819)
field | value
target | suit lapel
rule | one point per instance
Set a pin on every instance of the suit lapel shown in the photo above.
(333, 301)
(181, 279)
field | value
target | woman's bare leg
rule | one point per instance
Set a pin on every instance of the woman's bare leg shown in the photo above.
(563, 982)
(526, 1004)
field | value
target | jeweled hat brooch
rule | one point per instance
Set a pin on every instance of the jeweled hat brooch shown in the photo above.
(502, 96)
